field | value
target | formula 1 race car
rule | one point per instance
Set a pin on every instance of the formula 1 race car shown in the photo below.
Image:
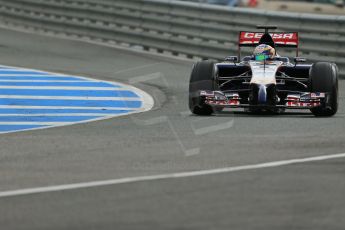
(257, 83)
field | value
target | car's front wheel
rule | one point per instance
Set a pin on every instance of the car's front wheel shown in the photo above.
(202, 78)
(324, 78)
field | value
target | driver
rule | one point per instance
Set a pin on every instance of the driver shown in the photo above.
(264, 52)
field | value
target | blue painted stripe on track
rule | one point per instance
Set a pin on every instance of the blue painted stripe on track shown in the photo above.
(74, 103)
(61, 84)
(23, 72)
(68, 93)
(52, 78)
(22, 88)
(8, 128)
(46, 118)
(61, 111)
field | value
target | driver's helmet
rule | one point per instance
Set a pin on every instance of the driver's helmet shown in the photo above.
(263, 52)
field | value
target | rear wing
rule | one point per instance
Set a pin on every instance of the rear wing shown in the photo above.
(280, 39)
(275, 39)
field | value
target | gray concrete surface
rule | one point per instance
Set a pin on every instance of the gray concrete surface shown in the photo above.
(306, 196)
(295, 197)
(303, 7)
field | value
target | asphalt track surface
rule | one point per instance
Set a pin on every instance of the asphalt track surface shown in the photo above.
(165, 140)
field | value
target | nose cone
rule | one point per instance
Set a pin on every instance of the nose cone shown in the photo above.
(263, 94)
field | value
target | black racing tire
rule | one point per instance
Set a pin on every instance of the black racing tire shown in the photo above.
(324, 78)
(202, 78)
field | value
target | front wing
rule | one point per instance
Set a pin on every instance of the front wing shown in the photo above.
(299, 100)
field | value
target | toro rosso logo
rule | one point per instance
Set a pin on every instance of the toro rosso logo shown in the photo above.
(250, 35)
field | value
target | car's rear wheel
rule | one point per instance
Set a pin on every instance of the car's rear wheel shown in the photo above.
(324, 78)
(202, 78)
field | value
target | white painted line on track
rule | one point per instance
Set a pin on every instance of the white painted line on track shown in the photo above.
(59, 115)
(63, 88)
(17, 70)
(29, 191)
(64, 107)
(71, 98)
(38, 123)
(37, 75)
(61, 124)
(44, 81)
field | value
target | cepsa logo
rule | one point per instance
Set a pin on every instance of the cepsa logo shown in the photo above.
(273, 35)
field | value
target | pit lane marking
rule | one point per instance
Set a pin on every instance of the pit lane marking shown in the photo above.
(273, 164)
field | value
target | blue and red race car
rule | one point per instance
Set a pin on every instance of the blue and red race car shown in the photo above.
(264, 83)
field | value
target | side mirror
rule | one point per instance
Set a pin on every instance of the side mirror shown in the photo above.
(231, 59)
(299, 60)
